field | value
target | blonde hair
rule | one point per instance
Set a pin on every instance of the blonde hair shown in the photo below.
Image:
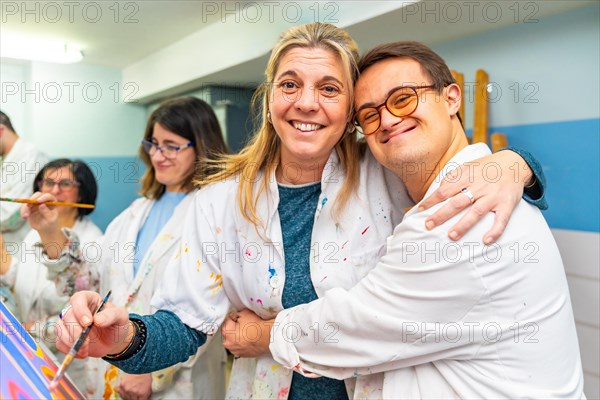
(264, 148)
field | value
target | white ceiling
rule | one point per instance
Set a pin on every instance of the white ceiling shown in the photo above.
(110, 33)
(126, 33)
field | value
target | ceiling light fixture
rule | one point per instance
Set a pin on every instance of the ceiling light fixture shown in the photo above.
(39, 50)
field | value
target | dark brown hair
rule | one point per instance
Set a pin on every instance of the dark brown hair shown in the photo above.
(192, 119)
(4, 120)
(433, 65)
(88, 188)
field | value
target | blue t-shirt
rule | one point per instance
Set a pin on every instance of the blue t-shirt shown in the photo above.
(297, 206)
(159, 215)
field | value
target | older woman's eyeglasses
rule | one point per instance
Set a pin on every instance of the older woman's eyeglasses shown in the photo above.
(401, 102)
(63, 184)
(168, 151)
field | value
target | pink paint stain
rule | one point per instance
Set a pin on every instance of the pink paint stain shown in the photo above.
(248, 253)
(283, 393)
(259, 301)
(366, 229)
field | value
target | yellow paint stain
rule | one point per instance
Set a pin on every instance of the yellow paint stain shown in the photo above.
(274, 367)
(110, 379)
(185, 248)
(198, 264)
(218, 285)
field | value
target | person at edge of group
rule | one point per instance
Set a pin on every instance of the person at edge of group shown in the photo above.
(20, 161)
(6, 258)
(37, 302)
(445, 319)
(139, 242)
(301, 210)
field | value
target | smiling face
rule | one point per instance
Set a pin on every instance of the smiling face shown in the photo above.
(309, 105)
(420, 139)
(174, 172)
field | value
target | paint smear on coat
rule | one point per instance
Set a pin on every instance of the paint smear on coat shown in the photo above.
(323, 202)
(218, 285)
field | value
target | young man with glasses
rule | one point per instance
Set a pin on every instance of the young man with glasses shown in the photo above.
(444, 319)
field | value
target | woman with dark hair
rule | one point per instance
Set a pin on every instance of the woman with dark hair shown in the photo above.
(56, 243)
(141, 240)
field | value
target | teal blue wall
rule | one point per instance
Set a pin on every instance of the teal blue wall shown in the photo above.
(118, 185)
(545, 97)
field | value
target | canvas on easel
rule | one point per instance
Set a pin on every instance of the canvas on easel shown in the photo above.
(26, 370)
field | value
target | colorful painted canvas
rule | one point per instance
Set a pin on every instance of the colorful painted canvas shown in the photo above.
(25, 369)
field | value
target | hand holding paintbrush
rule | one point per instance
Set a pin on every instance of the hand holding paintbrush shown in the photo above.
(48, 220)
(111, 331)
(76, 346)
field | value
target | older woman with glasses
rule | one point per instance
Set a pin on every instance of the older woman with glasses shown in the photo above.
(302, 209)
(55, 230)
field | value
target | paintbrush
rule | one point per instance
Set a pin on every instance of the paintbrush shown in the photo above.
(48, 203)
(76, 347)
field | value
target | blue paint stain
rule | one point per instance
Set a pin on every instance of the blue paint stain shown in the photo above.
(323, 202)
(272, 271)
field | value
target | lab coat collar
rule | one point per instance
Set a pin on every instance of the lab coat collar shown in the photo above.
(468, 154)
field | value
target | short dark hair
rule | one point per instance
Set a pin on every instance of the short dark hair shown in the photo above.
(88, 188)
(433, 65)
(4, 120)
(190, 118)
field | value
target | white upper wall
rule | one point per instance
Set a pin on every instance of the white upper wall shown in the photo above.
(71, 110)
(243, 34)
(74, 110)
(539, 72)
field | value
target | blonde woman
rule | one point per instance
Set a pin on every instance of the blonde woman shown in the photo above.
(302, 209)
